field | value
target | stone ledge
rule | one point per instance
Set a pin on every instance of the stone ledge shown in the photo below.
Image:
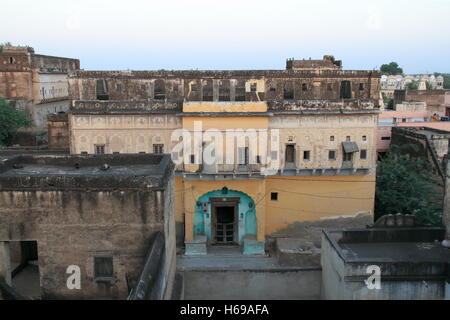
(196, 247)
(252, 246)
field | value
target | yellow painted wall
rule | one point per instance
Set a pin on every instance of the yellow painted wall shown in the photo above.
(225, 107)
(224, 123)
(300, 199)
(312, 199)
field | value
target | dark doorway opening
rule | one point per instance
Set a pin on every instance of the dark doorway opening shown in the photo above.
(225, 225)
(290, 155)
(346, 90)
(24, 268)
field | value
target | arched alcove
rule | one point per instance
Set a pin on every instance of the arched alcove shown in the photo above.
(209, 208)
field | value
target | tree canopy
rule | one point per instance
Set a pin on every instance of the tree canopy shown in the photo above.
(391, 69)
(10, 120)
(414, 85)
(405, 185)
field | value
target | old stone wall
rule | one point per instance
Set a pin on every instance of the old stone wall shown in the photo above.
(54, 64)
(58, 131)
(252, 284)
(431, 97)
(222, 85)
(73, 227)
(16, 85)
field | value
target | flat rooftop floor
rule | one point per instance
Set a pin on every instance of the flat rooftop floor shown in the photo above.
(231, 259)
(126, 170)
(397, 252)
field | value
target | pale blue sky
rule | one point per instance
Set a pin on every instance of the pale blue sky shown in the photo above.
(233, 34)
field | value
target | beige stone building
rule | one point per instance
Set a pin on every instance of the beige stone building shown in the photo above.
(35, 83)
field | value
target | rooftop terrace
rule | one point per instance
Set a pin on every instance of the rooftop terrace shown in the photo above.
(88, 172)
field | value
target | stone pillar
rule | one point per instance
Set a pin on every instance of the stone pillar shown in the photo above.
(5, 262)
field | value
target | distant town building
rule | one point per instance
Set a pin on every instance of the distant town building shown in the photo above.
(35, 83)
(403, 115)
(399, 82)
(438, 101)
(327, 63)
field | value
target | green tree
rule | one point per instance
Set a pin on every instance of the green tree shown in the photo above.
(414, 85)
(10, 120)
(405, 185)
(388, 102)
(391, 69)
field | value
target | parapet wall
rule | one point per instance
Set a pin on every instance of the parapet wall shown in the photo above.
(137, 106)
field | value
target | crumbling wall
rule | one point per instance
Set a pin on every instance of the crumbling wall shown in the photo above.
(246, 85)
(431, 97)
(72, 227)
(16, 85)
(58, 131)
(53, 64)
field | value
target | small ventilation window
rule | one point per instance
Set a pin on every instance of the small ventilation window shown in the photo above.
(274, 196)
(363, 154)
(332, 155)
(306, 155)
(103, 267)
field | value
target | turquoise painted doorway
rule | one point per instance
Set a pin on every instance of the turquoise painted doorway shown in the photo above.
(225, 217)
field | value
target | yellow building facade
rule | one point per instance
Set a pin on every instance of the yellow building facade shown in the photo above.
(248, 168)
(310, 189)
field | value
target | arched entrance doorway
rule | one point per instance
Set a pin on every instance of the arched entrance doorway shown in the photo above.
(225, 217)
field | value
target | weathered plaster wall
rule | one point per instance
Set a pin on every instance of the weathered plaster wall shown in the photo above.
(58, 132)
(314, 133)
(39, 112)
(252, 285)
(306, 205)
(71, 227)
(122, 133)
(16, 85)
(246, 85)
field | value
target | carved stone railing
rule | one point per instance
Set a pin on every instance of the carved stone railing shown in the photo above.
(111, 106)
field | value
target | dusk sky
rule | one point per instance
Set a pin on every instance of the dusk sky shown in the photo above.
(233, 34)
